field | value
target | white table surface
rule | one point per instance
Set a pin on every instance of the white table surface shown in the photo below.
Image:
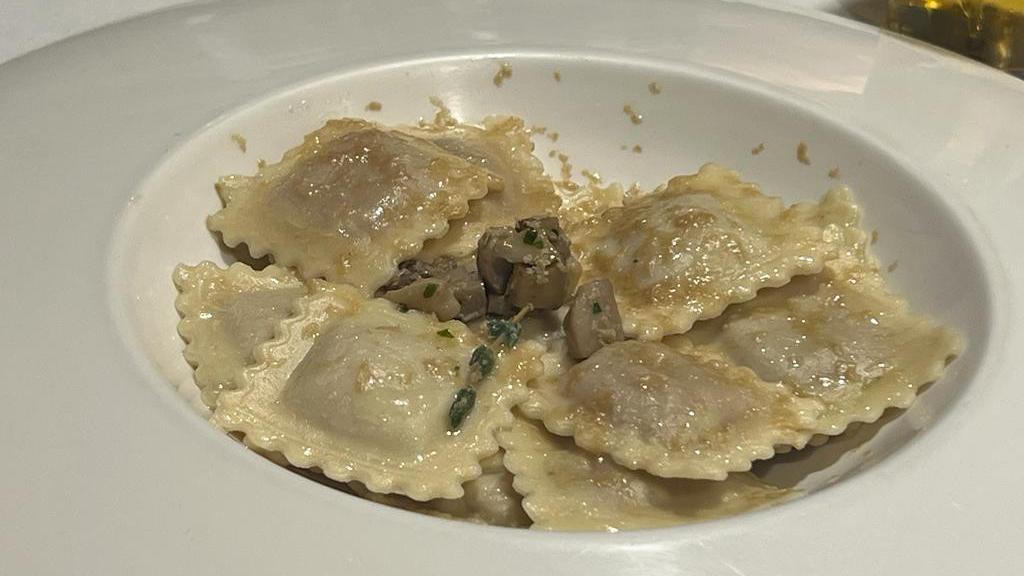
(26, 25)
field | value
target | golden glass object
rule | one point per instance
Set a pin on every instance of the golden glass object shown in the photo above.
(989, 30)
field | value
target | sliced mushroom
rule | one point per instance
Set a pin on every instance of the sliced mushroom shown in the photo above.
(459, 276)
(593, 320)
(465, 283)
(492, 258)
(409, 271)
(531, 264)
(427, 295)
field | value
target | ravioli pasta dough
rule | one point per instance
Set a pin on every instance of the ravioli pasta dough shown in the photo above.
(674, 414)
(361, 391)
(489, 499)
(750, 328)
(503, 148)
(225, 314)
(841, 338)
(566, 488)
(689, 249)
(350, 203)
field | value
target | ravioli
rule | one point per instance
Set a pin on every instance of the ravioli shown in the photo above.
(689, 249)
(566, 488)
(504, 148)
(841, 337)
(225, 314)
(349, 203)
(362, 391)
(674, 414)
(749, 328)
(489, 499)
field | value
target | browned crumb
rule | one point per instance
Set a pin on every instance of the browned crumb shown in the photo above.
(874, 237)
(638, 149)
(801, 154)
(566, 166)
(634, 116)
(833, 173)
(374, 106)
(261, 163)
(892, 267)
(552, 154)
(757, 149)
(444, 114)
(553, 136)
(504, 73)
(558, 76)
(654, 88)
(538, 129)
(594, 177)
(238, 139)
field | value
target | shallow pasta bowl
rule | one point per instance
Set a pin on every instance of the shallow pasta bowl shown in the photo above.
(109, 144)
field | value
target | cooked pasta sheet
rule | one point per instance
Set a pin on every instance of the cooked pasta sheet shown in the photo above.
(225, 314)
(698, 244)
(519, 188)
(350, 203)
(672, 413)
(841, 337)
(489, 499)
(362, 391)
(567, 488)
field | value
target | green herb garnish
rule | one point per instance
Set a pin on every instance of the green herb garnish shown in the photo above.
(532, 238)
(483, 360)
(596, 308)
(446, 333)
(465, 398)
(430, 290)
(506, 331)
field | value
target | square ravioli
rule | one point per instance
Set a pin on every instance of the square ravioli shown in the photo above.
(362, 391)
(671, 413)
(692, 247)
(842, 338)
(225, 314)
(350, 203)
(566, 488)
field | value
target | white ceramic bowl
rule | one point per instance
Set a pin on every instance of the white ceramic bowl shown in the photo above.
(111, 142)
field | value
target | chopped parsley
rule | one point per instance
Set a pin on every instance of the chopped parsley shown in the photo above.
(446, 333)
(596, 308)
(430, 290)
(506, 331)
(532, 238)
(483, 360)
(465, 398)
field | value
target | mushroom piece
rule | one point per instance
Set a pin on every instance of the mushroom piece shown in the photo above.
(530, 264)
(494, 257)
(427, 295)
(593, 320)
(459, 277)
